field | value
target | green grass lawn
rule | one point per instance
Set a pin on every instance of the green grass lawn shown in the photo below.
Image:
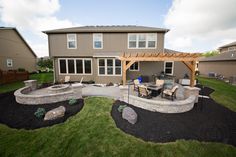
(224, 94)
(92, 132)
(42, 78)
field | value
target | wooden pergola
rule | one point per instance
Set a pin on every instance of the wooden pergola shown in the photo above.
(189, 59)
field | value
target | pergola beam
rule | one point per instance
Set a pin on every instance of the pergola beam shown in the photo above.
(189, 59)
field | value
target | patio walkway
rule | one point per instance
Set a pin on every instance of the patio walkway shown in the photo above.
(109, 91)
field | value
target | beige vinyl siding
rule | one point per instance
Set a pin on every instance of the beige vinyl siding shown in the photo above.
(112, 42)
(226, 68)
(12, 47)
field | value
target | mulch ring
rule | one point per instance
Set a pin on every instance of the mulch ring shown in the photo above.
(207, 121)
(20, 116)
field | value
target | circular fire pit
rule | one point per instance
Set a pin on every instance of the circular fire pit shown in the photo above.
(59, 88)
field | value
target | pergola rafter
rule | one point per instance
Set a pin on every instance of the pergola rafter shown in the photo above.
(189, 59)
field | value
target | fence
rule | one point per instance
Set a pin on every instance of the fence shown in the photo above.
(13, 76)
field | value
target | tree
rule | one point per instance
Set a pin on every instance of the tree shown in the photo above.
(211, 53)
(45, 63)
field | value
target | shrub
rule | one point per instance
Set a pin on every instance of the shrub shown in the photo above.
(40, 113)
(21, 69)
(72, 101)
(121, 108)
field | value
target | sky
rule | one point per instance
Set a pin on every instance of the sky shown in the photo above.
(195, 25)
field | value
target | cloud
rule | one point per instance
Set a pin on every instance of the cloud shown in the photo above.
(33, 16)
(200, 25)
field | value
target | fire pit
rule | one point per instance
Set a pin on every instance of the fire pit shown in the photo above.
(59, 88)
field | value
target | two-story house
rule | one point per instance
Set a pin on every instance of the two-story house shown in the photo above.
(228, 47)
(15, 53)
(92, 52)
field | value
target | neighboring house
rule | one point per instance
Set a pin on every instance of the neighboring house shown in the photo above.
(228, 47)
(222, 64)
(91, 52)
(14, 51)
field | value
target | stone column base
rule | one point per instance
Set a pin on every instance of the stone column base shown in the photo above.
(188, 91)
(123, 92)
(32, 84)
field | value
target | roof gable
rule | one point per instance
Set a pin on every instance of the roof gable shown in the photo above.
(21, 37)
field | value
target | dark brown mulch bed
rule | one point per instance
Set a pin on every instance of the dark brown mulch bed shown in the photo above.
(21, 116)
(207, 121)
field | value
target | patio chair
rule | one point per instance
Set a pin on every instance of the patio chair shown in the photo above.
(170, 93)
(136, 84)
(81, 80)
(144, 92)
(160, 82)
(67, 79)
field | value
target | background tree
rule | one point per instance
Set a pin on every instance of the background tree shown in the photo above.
(211, 53)
(45, 63)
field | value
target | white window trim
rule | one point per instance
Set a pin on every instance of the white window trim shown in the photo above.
(134, 69)
(94, 41)
(114, 67)
(67, 73)
(71, 40)
(10, 61)
(138, 41)
(172, 67)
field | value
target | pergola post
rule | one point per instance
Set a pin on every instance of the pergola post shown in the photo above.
(192, 79)
(124, 72)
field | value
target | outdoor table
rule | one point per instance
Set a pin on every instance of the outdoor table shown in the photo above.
(156, 90)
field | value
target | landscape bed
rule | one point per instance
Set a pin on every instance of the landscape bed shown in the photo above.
(20, 116)
(207, 121)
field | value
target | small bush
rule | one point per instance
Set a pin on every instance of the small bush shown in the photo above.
(72, 101)
(121, 108)
(40, 113)
(21, 69)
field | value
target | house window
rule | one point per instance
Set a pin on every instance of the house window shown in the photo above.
(101, 66)
(97, 41)
(9, 63)
(109, 67)
(71, 41)
(72, 66)
(168, 67)
(142, 40)
(151, 40)
(231, 48)
(134, 67)
(62, 66)
(87, 66)
(132, 40)
(79, 66)
(117, 67)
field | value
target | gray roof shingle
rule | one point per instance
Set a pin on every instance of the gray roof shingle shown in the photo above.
(226, 56)
(227, 45)
(108, 29)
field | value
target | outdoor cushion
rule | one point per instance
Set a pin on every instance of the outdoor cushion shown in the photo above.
(167, 91)
(159, 82)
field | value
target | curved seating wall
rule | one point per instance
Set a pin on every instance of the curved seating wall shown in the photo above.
(177, 106)
(23, 97)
